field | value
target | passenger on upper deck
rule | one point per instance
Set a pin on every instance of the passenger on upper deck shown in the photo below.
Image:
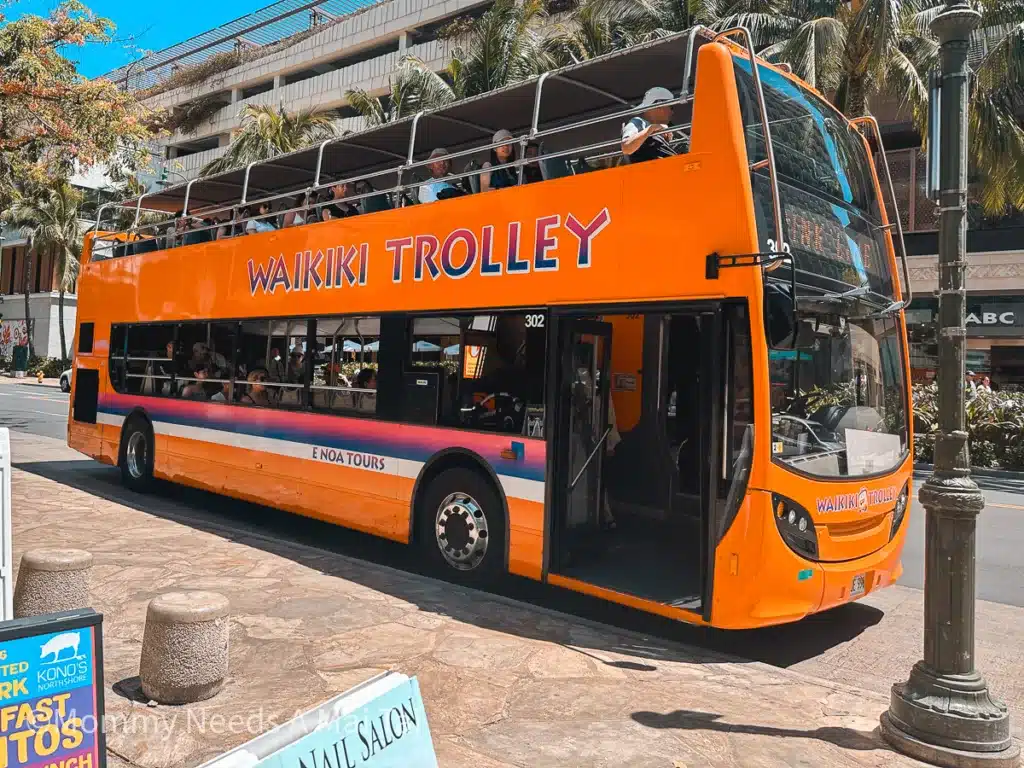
(295, 215)
(433, 191)
(265, 222)
(498, 172)
(340, 209)
(531, 171)
(638, 143)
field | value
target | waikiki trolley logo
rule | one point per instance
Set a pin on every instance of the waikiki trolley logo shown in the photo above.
(861, 501)
(546, 244)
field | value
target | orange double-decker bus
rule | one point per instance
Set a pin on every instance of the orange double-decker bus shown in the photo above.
(675, 380)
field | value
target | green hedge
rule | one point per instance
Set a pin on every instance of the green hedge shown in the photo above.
(52, 367)
(995, 427)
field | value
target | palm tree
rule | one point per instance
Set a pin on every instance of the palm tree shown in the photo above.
(501, 47)
(268, 132)
(413, 87)
(884, 48)
(50, 219)
(591, 32)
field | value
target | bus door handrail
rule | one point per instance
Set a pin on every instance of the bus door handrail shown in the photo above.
(873, 123)
(590, 458)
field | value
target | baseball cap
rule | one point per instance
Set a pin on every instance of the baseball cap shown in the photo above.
(657, 95)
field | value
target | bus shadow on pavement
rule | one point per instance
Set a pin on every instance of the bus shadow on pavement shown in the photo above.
(687, 720)
(312, 543)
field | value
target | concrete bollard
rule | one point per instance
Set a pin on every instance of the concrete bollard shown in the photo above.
(185, 647)
(52, 580)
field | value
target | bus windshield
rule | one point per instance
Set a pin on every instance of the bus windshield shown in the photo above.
(830, 210)
(838, 397)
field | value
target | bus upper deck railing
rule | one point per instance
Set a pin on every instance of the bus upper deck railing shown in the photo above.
(400, 189)
(400, 172)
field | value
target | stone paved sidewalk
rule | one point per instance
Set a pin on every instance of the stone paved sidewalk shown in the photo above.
(504, 684)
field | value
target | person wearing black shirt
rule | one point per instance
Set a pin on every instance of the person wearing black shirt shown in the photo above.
(499, 171)
(638, 140)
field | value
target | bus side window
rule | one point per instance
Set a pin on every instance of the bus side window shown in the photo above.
(148, 368)
(490, 368)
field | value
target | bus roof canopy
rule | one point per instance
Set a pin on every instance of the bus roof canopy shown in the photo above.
(573, 94)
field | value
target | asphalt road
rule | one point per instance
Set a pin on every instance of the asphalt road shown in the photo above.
(42, 410)
(37, 409)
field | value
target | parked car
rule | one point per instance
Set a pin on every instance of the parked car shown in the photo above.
(65, 381)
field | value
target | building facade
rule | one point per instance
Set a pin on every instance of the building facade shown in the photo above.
(295, 55)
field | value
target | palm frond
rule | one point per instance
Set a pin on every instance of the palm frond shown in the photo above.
(1000, 12)
(815, 51)
(268, 132)
(903, 79)
(49, 216)
(996, 149)
(503, 46)
(370, 107)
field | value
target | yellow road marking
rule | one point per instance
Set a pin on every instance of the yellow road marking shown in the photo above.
(1003, 506)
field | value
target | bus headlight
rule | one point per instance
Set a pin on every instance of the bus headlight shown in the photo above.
(900, 510)
(795, 526)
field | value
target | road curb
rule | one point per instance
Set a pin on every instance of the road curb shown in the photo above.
(1005, 474)
(33, 384)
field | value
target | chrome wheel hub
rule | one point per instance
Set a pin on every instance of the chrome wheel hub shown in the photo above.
(461, 531)
(136, 455)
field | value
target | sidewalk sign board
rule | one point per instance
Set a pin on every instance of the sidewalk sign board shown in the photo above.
(6, 557)
(380, 723)
(51, 691)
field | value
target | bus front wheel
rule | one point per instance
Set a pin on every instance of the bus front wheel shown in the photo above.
(137, 455)
(462, 527)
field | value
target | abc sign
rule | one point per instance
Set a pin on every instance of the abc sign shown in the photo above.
(990, 318)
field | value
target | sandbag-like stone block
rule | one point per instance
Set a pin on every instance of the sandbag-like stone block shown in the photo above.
(185, 647)
(52, 580)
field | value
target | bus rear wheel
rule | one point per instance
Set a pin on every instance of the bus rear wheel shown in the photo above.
(136, 462)
(461, 527)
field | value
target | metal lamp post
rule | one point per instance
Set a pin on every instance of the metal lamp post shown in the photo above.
(944, 713)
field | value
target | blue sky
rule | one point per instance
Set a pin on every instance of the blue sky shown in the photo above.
(150, 25)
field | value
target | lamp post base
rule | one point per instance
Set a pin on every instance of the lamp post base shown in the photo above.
(949, 720)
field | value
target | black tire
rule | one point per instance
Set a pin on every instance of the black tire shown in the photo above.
(136, 459)
(473, 519)
(65, 384)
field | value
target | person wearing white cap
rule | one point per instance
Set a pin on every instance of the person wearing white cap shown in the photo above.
(638, 143)
(440, 188)
(498, 171)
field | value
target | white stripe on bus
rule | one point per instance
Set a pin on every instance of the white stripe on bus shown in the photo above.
(514, 487)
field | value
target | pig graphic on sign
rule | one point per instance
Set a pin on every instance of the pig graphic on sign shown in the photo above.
(59, 643)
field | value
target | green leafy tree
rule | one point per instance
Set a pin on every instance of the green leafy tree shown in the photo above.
(49, 217)
(503, 46)
(884, 48)
(52, 120)
(413, 87)
(267, 132)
